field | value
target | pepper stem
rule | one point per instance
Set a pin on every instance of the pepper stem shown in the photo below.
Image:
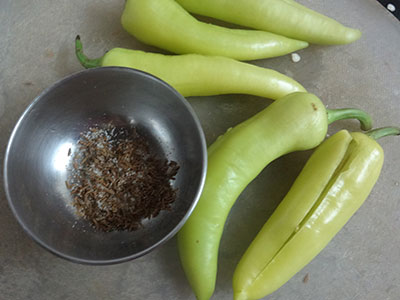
(350, 113)
(83, 59)
(382, 132)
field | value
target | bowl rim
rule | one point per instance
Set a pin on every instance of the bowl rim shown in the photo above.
(167, 236)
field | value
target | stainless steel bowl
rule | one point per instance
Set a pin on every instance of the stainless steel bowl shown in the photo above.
(36, 161)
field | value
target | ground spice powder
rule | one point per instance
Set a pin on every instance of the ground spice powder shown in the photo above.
(116, 181)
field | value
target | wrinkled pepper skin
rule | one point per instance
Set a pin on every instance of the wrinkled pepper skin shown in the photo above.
(332, 186)
(200, 75)
(165, 24)
(284, 17)
(295, 122)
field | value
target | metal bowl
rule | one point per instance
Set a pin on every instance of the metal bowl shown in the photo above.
(37, 163)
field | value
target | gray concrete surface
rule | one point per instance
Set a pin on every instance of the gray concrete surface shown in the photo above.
(363, 260)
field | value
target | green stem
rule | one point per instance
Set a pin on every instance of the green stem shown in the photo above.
(350, 113)
(83, 59)
(382, 132)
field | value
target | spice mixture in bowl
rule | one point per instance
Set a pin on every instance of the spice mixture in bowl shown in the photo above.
(117, 181)
(105, 165)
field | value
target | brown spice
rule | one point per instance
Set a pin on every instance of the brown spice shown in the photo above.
(314, 106)
(306, 278)
(68, 185)
(117, 182)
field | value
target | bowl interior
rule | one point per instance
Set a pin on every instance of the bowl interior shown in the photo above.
(37, 162)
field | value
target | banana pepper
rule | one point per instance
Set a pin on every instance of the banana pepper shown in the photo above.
(165, 24)
(198, 75)
(284, 17)
(331, 187)
(298, 121)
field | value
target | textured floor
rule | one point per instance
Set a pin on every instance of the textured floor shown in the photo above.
(361, 263)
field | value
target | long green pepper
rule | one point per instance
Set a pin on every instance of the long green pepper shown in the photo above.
(295, 122)
(198, 75)
(333, 184)
(284, 17)
(165, 24)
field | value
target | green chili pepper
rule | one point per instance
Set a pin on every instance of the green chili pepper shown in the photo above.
(199, 75)
(334, 183)
(284, 17)
(165, 24)
(295, 122)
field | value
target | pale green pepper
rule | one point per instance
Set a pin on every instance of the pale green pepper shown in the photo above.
(333, 184)
(198, 75)
(295, 122)
(284, 17)
(165, 24)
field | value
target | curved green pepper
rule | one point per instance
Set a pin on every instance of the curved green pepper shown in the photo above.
(284, 17)
(333, 184)
(295, 122)
(165, 24)
(199, 75)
